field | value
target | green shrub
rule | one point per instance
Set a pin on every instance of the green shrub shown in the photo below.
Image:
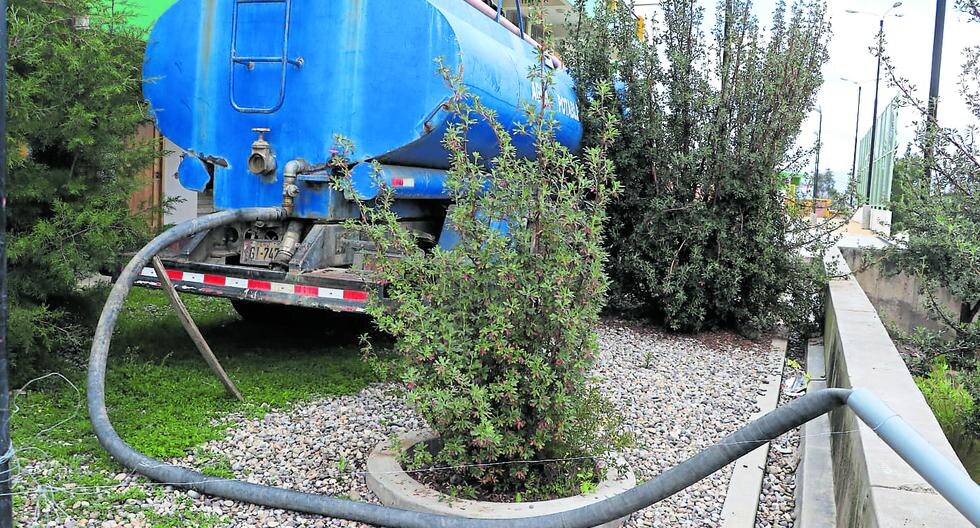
(75, 102)
(934, 354)
(700, 237)
(499, 332)
(949, 400)
(970, 380)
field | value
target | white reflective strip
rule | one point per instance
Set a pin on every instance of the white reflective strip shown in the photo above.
(193, 277)
(408, 182)
(331, 293)
(232, 282)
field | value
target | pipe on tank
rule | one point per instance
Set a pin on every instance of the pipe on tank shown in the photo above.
(289, 188)
(485, 9)
(295, 228)
(287, 248)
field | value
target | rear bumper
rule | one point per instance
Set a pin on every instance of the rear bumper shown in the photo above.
(328, 289)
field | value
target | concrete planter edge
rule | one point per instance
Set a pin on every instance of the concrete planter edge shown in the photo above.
(394, 487)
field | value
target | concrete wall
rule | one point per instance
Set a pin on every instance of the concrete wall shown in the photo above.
(185, 207)
(873, 486)
(896, 297)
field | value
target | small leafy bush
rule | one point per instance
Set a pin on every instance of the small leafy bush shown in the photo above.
(935, 355)
(971, 382)
(498, 332)
(949, 400)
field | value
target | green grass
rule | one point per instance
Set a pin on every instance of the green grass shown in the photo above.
(163, 399)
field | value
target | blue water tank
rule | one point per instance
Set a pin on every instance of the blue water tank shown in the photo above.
(308, 70)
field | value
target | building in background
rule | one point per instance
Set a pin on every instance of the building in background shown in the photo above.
(557, 15)
(159, 181)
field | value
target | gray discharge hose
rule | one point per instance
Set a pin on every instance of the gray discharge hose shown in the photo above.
(694, 469)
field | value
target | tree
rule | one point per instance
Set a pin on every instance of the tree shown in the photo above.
(939, 201)
(908, 169)
(937, 208)
(825, 185)
(74, 73)
(498, 333)
(700, 237)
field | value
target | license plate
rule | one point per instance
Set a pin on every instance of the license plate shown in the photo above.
(259, 251)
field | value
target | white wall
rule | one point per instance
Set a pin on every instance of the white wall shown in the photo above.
(186, 207)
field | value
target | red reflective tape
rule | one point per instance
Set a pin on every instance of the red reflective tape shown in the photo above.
(216, 280)
(259, 285)
(397, 182)
(175, 274)
(300, 289)
(354, 295)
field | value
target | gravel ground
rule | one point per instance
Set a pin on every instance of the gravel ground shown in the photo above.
(681, 395)
(677, 395)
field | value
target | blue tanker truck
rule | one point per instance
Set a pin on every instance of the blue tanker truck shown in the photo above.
(254, 92)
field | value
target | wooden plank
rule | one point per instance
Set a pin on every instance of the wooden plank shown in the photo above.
(192, 330)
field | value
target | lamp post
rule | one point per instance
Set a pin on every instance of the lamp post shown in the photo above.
(937, 59)
(874, 115)
(857, 124)
(816, 166)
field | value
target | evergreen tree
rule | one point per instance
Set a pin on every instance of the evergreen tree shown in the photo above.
(74, 74)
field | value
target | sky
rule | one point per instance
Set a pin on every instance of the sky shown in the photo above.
(909, 42)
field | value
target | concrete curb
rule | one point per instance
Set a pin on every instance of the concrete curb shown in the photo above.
(394, 487)
(815, 507)
(745, 485)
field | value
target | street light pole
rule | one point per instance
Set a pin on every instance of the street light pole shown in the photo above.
(937, 59)
(874, 115)
(816, 167)
(857, 128)
(857, 124)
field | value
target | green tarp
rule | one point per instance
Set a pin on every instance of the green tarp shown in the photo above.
(885, 147)
(143, 13)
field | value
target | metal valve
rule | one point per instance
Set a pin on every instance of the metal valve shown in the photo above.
(261, 161)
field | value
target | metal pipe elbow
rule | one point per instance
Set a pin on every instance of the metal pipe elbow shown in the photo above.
(289, 188)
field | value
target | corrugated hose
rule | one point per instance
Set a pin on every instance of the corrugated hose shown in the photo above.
(668, 483)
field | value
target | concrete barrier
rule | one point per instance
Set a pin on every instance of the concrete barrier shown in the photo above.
(895, 295)
(873, 487)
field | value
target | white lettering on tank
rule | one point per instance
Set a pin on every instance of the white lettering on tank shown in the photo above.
(562, 104)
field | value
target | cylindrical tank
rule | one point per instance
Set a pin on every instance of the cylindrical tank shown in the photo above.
(308, 70)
